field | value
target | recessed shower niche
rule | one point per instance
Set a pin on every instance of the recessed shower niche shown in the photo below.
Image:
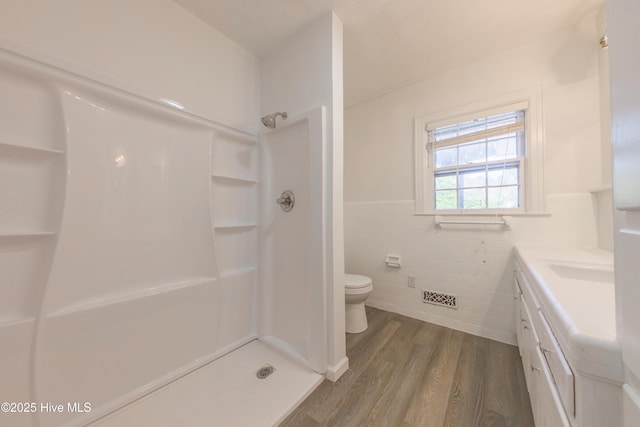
(32, 165)
(234, 201)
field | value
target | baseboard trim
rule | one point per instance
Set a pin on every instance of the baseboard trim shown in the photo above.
(334, 372)
(468, 328)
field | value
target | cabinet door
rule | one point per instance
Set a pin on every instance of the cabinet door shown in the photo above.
(548, 411)
(528, 347)
(518, 313)
(558, 365)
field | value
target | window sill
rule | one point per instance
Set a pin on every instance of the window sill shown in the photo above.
(600, 189)
(486, 213)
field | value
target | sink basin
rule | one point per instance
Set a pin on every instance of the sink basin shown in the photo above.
(592, 273)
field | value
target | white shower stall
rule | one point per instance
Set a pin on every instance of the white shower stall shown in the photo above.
(140, 242)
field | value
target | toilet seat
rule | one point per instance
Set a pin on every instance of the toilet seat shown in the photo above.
(358, 291)
(356, 281)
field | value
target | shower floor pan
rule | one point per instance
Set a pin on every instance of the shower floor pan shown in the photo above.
(225, 392)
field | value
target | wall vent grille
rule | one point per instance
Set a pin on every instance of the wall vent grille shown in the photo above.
(439, 298)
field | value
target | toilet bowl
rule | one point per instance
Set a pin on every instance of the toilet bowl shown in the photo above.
(356, 290)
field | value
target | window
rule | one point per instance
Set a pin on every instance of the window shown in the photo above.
(479, 162)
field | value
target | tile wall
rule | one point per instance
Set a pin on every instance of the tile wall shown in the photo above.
(473, 262)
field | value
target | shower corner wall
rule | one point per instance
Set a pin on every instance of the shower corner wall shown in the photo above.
(292, 275)
(234, 173)
(32, 182)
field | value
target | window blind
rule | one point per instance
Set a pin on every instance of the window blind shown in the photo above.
(475, 130)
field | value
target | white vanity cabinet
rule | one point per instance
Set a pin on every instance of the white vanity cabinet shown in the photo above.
(565, 329)
(546, 404)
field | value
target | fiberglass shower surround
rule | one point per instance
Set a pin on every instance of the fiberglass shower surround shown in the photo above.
(108, 263)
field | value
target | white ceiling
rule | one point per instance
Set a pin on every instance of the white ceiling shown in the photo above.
(389, 44)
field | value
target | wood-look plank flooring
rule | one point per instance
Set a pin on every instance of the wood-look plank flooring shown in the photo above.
(405, 372)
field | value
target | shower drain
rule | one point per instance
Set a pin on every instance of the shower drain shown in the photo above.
(264, 372)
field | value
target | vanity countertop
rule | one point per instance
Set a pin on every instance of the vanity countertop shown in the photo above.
(576, 293)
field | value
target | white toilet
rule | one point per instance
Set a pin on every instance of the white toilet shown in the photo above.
(356, 289)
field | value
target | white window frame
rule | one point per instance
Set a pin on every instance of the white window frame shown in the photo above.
(532, 168)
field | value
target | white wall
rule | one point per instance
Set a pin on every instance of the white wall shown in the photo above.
(605, 100)
(604, 196)
(151, 47)
(625, 113)
(379, 133)
(379, 187)
(300, 74)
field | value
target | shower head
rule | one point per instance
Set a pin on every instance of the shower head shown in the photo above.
(270, 119)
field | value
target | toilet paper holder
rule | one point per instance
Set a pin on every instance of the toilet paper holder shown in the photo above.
(393, 261)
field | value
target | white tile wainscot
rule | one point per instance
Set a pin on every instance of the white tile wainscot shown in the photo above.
(567, 336)
(474, 262)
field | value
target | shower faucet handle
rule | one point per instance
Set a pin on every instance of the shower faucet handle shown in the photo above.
(286, 200)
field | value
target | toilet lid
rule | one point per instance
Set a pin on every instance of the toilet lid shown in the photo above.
(355, 281)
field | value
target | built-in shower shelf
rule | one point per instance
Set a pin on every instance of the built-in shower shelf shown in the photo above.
(6, 148)
(15, 322)
(234, 226)
(14, 234)
(123, 297)
(237, 272)
(233, 179)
